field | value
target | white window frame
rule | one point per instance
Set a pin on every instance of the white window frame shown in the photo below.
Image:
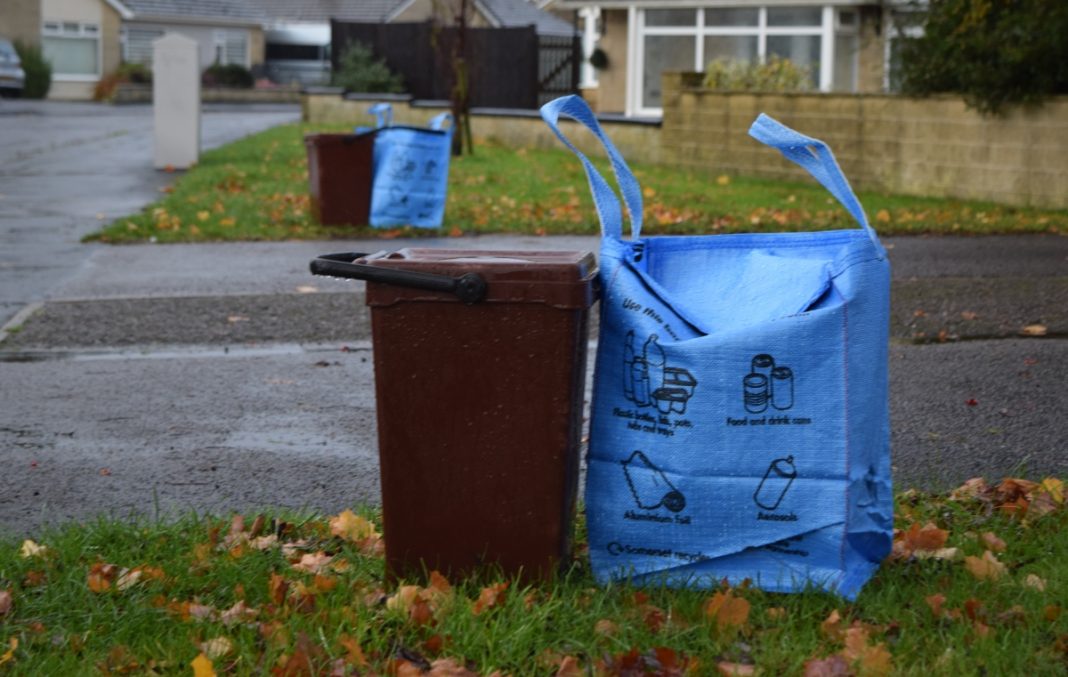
(59, 28)
(221, 37)
(637, 31)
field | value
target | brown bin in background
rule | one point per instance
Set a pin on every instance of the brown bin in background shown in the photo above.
(339, 177)
(480, 404)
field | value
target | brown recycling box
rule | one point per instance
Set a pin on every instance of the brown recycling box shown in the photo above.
(339, 177)
(480, 407)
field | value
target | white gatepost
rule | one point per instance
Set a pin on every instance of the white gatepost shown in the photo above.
(176, 101)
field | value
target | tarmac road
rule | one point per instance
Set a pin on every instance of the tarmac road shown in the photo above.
(158, 379)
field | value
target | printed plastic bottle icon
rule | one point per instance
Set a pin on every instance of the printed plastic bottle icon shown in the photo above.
(782, 388)
(778, 478)
(628, 366)
(650, 486)
(655, 361)
(755, 392)
(640, 380)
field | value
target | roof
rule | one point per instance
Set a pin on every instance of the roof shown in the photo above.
(230, 10)
(515, 13)
(500, 13)
(321, 11)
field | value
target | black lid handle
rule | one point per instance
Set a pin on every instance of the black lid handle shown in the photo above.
(469, 287)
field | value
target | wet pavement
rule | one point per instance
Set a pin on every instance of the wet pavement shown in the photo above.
(153, 379)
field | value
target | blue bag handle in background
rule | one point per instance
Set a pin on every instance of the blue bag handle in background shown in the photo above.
(811, 154)
(383, 113)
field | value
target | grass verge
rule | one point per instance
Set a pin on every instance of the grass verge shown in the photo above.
(975, 585)
(257, 189)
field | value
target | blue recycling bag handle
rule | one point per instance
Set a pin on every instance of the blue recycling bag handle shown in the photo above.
(817, 159)
(439, 120)
(608, 208)
(383, 113)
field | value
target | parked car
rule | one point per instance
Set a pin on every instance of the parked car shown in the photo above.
(12, 77)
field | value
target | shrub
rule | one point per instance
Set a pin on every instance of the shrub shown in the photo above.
(228, 75)
(38, 70)
(995, 54)
(776, 75)
(359, 71)
(128, 72)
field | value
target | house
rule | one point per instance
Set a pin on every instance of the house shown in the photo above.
(298, 31)
(87, 39)
(845, 44)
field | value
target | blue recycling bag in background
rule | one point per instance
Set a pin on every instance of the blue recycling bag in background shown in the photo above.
(740, 424)
(410, 170)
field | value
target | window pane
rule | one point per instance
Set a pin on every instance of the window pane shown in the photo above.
(71, 56)
(664, 53)
(670, 17)
(732, 17)
(845, 63)
(235, 50)
(802, 50)
(731, 47)
(795, 16)
(139, 45)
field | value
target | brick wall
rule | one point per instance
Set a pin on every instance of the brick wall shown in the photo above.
(935, 146)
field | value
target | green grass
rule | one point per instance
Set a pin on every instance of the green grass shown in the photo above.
(257, 189)
(198, 568)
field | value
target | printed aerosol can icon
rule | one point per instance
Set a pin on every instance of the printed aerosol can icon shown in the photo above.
(777, 480)
(649, 486)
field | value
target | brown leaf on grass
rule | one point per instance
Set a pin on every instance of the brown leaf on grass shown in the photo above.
(985, 568)
(302, 663)
(275, 634)
(936, 601)
(354, 653)
(832, 666)
(101, 576)
(238, 613)
(313, 563)
(832, 626)
(869, 659)
(728, 612)
(916, 539)
(976, 487)
(570, 667)
(653, 617)
(32, 549)
(448, 667)
(490, 597)
(728, 669)
(34, 579)
(12, 644)
(969, 315)
(775, 613)
(216, 648)
(603, 627)
(5, 602)
(277, 588)
(1052, 612)
(992, 542)
(1035, 582)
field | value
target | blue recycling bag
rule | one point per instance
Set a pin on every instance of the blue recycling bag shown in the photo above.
(740, 419)
(410, 170)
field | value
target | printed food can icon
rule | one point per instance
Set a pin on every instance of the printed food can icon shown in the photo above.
(756, 392)
(782, 388)
(778, 478)
(763, 364)
(650, 486)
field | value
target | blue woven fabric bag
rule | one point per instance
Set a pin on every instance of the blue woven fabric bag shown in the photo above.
(410, 170)
(740, 422)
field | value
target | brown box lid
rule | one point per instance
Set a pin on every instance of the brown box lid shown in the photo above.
(562, 279)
